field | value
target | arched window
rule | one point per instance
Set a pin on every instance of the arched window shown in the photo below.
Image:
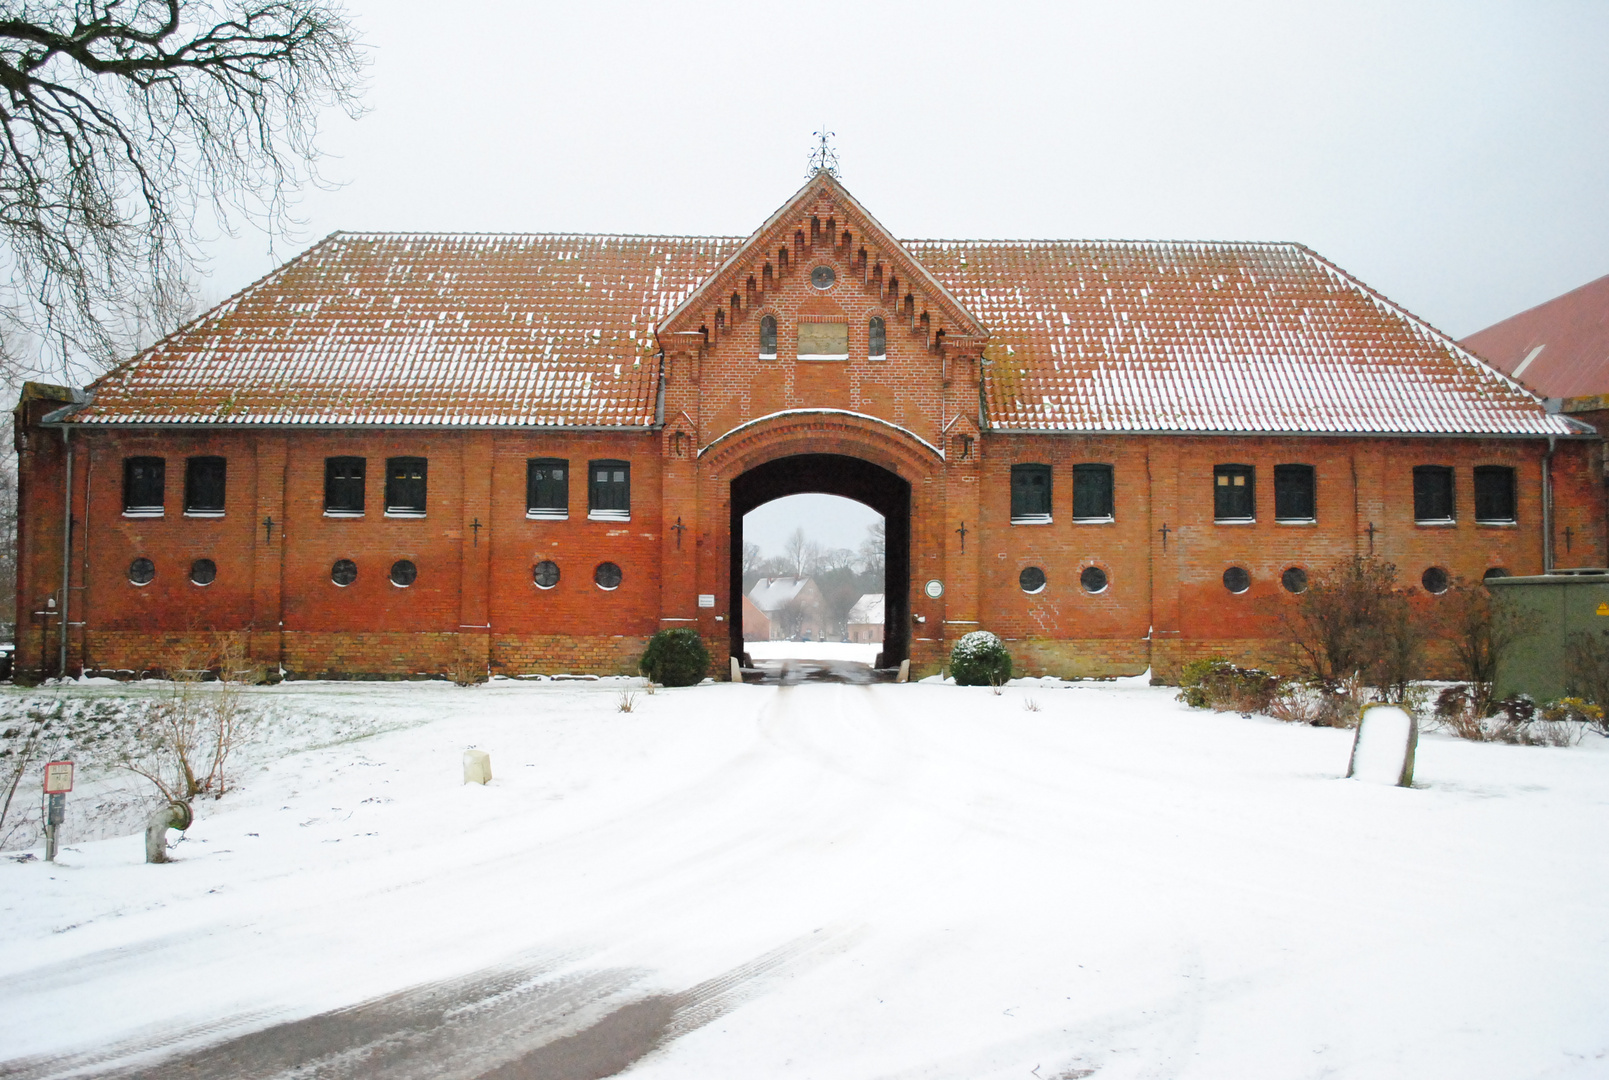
(876, 339)
(768, 338)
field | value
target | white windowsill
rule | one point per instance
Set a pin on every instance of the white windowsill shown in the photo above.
(823, 356)
(142, 512)
(1234, 521)
(204, 513)
(609, 515)
(404, 513)
(768, 356)
(1436, 523)
(343, 513)
(1498, 523)
(1032, 519)
(878, 358)
(1107, 520)
(547, 515)
(1296, 521)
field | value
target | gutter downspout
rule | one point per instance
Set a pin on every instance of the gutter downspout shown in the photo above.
(1547, 506)
(66, 545)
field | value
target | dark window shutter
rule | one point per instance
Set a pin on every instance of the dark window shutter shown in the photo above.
(1295, 493)
(143, 483)
(1092, 492)
(343, 485)
(1494, 493)
(204, 484)
(1234, 493)
(1030, 492)
(1432, 493)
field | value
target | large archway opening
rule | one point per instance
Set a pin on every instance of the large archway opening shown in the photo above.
(834, 474)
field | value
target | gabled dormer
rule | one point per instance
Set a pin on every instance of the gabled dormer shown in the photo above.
(820, 308)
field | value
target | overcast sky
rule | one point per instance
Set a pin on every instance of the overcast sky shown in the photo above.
(1454, 156)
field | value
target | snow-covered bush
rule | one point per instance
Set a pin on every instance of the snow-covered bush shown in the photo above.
(980, 659)
(676, 658)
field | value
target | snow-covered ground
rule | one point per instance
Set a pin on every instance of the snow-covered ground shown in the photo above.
(812, 650)
(890, 881)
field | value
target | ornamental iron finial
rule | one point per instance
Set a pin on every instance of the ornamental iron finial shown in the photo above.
(823, 158)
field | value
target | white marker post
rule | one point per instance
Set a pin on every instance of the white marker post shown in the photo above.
(58, 782)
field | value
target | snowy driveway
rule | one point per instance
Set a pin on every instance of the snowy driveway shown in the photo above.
(833, 881)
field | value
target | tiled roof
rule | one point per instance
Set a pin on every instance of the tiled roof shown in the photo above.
(426, 329)
(558, 330)
(868, 609)
(1560, 349)
(1182, 337)
(771, 593)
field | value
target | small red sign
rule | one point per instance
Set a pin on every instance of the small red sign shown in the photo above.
(58, 777)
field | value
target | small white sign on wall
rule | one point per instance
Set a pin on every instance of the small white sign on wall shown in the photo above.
(706, 599)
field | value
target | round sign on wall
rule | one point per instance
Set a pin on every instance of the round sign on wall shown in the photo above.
(934, 588)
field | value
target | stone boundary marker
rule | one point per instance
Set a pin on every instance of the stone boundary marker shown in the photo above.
(1383, 748)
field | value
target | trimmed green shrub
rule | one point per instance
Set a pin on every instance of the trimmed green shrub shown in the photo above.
(1215, 683)
(676, 658)
(980, 659)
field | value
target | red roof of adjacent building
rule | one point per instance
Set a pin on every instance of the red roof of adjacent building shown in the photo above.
(1560, 349)
(559, 330)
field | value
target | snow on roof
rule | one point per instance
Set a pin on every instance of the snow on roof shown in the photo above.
(1560, 348)
(558, 330)
(1207, 337)
(771, 593)
(868, 609)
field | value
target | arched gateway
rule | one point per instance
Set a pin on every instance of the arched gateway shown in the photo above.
(513, 454)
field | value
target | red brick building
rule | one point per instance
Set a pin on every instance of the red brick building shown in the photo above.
(432, 453)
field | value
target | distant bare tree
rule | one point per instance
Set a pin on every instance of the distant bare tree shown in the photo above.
(799, 553)
(872, 549)
(125, 123)
(751, 557)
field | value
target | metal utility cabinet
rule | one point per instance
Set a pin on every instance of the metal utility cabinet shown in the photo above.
(1563, 603)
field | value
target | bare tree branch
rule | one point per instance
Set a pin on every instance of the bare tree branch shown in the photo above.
(121, 123)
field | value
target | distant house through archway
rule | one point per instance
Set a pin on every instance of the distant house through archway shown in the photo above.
(835, 474)
(813, 579)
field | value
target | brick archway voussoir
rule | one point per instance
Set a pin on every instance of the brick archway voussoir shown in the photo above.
(822, 431)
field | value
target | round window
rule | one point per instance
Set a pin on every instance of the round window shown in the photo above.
(822, 277)
(1236, 580)
(203, 571)
(1434, 580)
(607, 575)
(1093, 579)
(1032, 579)
(344, 572)
(545, 574)
(141, 571)
(1494, 572)
(403, 573)
(1294, 579)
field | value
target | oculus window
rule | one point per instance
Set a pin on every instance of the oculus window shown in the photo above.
(1294, 579)
(344, 572)
(1236, 579)
(823, 341)
(768, 338)
(143, 481)
(607, 576)
(1234, 495)
(547, 489)
(545, 574)
(204, 486)
(203, 572)
(1432, 494)
(1295, 493)
(1031, 580)
(877, 338)
(141, 571)
(1435, 580)
(343, 486)
(405, 487)
(1093, 579)
(1030, 494)
(404, 573)
(609, 491)
(1494, 494)
(1092, 493)
(822, 277)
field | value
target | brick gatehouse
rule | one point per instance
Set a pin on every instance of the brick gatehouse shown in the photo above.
(405, 453)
